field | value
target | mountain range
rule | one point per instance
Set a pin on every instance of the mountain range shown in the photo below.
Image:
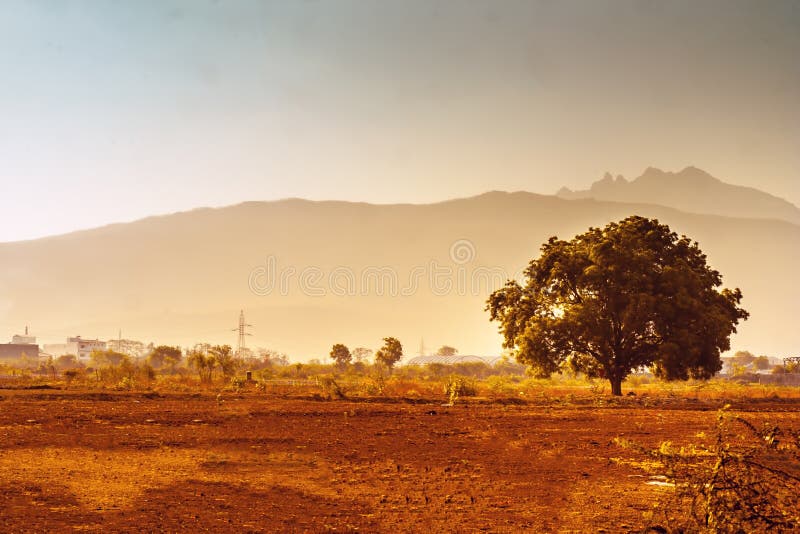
(310, 274)
(692, 190)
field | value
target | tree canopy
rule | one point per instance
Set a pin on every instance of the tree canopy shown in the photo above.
(446, 350)
(107, 358)
(341, 354)
(390, 353)
(362, 354)
(164, 356)
(225, 359)
(615, 299)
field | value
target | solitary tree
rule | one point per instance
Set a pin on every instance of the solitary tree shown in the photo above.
(341, 354)
(615, 299)
(446, 350)
(390, 353)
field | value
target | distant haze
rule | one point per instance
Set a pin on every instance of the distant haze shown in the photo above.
(310, 274)
(112, 111)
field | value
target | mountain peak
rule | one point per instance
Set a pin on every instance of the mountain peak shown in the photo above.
(654, 172)
(690, 173)
(691, 189)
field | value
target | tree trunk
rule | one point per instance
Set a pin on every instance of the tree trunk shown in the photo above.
(616, 385)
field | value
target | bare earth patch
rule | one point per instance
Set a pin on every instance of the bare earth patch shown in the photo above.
(132, 463)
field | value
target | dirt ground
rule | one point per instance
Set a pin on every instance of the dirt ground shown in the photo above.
(128, 462)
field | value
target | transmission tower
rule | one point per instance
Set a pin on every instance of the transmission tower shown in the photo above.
(242, 333)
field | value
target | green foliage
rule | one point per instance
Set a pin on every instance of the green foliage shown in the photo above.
(202, 361)
(738, 370)
(70, 375)
(270, 358)
(107, 358)
(225, 359)
(743, 357)
(390, 353)
(788, 367)
(66, 361)
(503, 385)
(238, 383)
(361, 354)
(341, 354)
(447, 350)
(507, 367)
(378, 381)
(473, 369)
(126, 384)
(459, 386)
(761, 363)
(165, 356)
(615, 299)
(206, 358)
(147, 371)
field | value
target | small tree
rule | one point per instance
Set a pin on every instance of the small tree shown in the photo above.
(761, 363)
(447, 350)
(361, 354)
(743, 357)
(66, 361)
(203, 362)
(106, 358)
(50, 366)
(272, 358)
(164, 356)
(341, 355)
(614, 299)
(390, 353)
(225, 360)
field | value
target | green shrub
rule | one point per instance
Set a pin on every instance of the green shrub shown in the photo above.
(459, 386)
(503, 385)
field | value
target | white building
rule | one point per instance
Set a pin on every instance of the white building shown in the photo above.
(24, 340)
(78, 346)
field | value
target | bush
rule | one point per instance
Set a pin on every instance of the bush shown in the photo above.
(503, 385)
(747, 480)
(238, 382)
(459, 386)
(71, 374)
(126, 384)
(331, 388)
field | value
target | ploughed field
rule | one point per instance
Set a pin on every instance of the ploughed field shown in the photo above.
(134, 462)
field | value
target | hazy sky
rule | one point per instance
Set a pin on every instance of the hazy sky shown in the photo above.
(110, 111)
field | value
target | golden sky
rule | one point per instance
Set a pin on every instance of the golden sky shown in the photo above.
(115, 111)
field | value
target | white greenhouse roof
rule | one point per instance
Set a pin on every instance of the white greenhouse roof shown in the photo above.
(456, 358)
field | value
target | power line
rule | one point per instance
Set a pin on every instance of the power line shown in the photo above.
(242, 330)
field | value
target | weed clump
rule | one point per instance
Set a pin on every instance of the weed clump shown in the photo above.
(331, 388)
(746, 480)
(459, 386)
